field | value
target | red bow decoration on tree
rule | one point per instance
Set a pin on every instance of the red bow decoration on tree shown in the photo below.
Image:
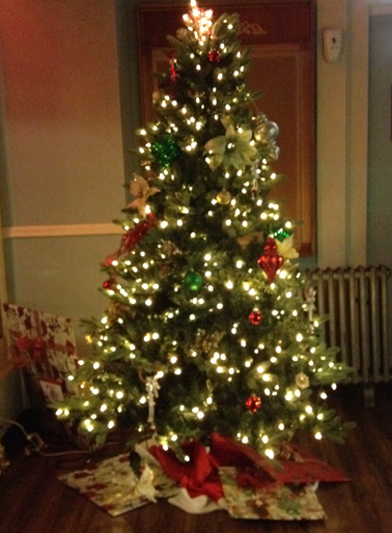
(131, 238)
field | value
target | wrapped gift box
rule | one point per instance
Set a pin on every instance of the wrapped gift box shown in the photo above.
(44, 346)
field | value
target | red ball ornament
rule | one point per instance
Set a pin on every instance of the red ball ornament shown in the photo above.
(255, 317)
(109, 284)
(253, 403)
(270, 261)
(214, 56)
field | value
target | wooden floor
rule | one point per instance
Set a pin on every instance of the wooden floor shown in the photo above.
(33, 500)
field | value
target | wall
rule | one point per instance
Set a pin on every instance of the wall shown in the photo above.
(63, 175)
(64, 149)
(380, 138)
(62, 181)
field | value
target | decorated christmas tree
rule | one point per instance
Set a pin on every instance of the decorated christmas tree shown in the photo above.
(210, 326)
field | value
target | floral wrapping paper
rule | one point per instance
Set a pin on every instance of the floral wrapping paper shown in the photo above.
(269, 501)
(113, 486)
(259, 491)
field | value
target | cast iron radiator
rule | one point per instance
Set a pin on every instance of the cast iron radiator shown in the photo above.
(356, 303)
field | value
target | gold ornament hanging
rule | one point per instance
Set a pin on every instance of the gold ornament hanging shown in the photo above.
(223, 197)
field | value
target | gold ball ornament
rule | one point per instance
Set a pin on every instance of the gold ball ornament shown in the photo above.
(223, 197)
(302, 380)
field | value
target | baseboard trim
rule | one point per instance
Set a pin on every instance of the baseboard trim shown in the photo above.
(63, 230)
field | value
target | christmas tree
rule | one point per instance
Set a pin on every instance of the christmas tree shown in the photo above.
(210, 326)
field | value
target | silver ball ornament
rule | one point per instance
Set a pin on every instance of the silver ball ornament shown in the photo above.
(266, 132)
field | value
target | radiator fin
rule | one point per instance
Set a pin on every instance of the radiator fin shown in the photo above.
(356, 303)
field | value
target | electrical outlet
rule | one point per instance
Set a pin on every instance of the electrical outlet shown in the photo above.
(332, 44)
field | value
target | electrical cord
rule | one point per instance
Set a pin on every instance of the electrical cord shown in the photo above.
(37, 444)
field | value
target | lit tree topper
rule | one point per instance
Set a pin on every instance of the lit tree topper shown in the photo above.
(200, 18)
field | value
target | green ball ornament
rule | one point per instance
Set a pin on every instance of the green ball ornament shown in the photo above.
(193, 280)
(165, 150)
(282, 234)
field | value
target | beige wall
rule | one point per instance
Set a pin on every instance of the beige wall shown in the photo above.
(63, 179)
(342, 100)
(63, 173)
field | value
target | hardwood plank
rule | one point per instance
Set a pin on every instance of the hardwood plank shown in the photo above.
(33, 500)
